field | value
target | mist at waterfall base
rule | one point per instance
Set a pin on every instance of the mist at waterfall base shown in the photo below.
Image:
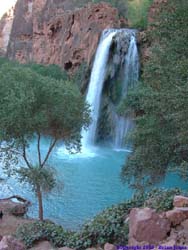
(88, 182)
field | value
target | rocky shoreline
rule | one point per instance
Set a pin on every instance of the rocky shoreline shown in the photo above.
(147, 227)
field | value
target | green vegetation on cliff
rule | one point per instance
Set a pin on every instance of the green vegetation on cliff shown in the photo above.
(134, 10)
(160, 140)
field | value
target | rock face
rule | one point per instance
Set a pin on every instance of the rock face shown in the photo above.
(43, 245)
(5, 29)
(147, 225)
(177, 215)
(10, 243)
(155, 9)
(51, 32)
(17, 207)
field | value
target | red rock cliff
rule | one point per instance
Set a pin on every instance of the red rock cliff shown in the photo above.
(54, 32)
(6, 27)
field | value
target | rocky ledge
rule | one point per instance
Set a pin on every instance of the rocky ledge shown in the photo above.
(170, 228)
(14, 205)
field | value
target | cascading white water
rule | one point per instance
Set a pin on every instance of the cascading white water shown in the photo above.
(96, 85)
(123, 125)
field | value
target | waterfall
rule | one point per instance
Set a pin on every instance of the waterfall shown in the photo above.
(96, 85)
(123, 125)
(130, 76)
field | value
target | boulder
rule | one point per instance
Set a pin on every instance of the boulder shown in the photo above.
(147, 225)
(185, 224)
(14, 205)
(18, 210)
(108, 246)
(10, 243)
(177, 215)
(169, 243)
(92, 248)
(180, 201)
(43, 245)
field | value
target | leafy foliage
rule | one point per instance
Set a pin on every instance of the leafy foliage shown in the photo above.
(30, 233)
(161, 199)
(134, 10)
(52, 70)
(108, 226)
(36, 176)
(33, 105)
(160, 102)
(138, 13)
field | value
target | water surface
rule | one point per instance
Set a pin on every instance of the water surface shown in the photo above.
(87, 184)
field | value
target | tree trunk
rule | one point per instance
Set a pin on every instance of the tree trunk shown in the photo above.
(39, 196)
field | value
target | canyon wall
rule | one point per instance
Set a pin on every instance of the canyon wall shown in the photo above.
(7, 17)
(56, 32)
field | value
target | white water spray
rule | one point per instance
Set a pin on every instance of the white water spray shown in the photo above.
(96, 85)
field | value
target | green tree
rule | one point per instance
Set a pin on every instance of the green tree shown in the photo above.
(52, 70)
(32, 105)
(160, 103)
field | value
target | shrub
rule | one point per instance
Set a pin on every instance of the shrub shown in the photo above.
(30, 233)
(109, 226)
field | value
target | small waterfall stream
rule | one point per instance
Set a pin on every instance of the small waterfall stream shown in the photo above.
(123, 125)
(96, 85)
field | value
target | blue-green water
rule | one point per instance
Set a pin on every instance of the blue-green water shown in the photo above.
(87, 184)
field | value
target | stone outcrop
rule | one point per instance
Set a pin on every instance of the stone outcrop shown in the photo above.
(170, 228)
(180, 201)
(14, 205)
(10, 243)
(177, 215)
(52, 32)
(108, 246)
(147, 225)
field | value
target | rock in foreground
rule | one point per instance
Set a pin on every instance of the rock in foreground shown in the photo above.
(10, 243)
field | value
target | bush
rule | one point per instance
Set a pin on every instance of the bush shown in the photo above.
(30, 233)
(109, 226)
(138, 13)
(161, 199)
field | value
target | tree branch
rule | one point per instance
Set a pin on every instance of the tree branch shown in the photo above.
(38, 148)
(49, 151)
(25, 156)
